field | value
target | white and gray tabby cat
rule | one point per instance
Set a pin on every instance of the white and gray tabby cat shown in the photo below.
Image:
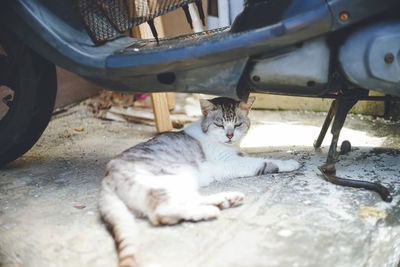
(159, 179)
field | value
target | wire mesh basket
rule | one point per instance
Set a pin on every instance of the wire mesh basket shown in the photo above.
(106, 19)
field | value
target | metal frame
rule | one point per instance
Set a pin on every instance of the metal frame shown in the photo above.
(338, 112)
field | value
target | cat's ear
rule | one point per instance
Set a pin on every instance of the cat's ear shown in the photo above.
(246, 106)
(206, 106)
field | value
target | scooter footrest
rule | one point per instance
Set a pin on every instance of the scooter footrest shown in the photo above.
(179, 41)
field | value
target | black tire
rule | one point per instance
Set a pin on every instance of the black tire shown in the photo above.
(33, 81)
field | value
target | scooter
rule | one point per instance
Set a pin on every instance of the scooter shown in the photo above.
(317, 48)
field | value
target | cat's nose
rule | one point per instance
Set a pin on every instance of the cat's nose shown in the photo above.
(229, 136)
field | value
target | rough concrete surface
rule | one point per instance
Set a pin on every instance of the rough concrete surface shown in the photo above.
(48, 214)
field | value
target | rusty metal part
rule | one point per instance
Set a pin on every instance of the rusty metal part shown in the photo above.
(389, 58)
(325, 126)
(342, 107)
(338, 112)
(329, 173)
(344, 16)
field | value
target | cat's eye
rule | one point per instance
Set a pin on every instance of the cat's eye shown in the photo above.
(219, 125)
(238, 125)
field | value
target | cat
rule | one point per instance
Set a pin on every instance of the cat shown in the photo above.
(159, 179)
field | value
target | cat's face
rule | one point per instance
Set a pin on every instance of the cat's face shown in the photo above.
(225, 120)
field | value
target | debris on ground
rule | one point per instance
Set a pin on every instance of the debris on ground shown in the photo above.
(366, 211)
(139, 115)
(135, 107)
(107, 99)
(79, 207)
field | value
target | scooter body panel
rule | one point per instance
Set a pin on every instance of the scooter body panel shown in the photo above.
(52, 28)
(377, 46)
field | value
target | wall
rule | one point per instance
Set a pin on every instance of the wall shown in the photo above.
(268, 101)
(72, 88)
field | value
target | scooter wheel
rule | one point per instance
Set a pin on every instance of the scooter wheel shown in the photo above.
(28, 86)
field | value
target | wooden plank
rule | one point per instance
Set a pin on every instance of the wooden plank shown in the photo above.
(144, 116)
(158, 100)
(174, 22)
(145, 31)
(161, 113)
(171, 101)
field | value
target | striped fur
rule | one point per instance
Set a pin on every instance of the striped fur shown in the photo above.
(159, 179)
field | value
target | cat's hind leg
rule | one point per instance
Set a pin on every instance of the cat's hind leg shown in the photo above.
(223, 200)
(170, 214)
(166, 207)
(174, 198)
(198, 208)
(122, 222)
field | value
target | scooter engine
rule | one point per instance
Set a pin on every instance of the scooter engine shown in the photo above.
(370, 57)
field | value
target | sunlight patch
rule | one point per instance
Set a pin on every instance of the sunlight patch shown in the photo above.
(283, 134)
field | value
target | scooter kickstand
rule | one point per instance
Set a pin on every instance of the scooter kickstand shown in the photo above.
(325, 126)
(338, 111)
(341, 108)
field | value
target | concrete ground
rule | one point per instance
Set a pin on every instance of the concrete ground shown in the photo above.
(48, 214)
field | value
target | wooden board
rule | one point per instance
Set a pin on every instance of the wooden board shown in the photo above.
(161, 112)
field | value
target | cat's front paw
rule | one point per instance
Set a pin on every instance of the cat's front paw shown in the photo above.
(223, 200)
(231, 199)
(288, 165)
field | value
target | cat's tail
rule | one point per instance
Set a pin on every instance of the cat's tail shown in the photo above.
(122, 223)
